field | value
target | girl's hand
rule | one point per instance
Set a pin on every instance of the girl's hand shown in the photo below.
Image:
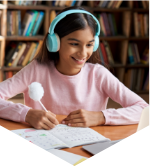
(83, 118)
(40, 119)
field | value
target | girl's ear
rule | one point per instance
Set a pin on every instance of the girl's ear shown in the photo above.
(53, 42)
(96, 45)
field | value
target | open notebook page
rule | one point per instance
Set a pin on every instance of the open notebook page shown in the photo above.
(41, 138)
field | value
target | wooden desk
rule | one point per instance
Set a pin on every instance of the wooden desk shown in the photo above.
(112, 132)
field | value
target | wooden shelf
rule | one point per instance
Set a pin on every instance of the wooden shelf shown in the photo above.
(29, 7)
(98, 9)
(25, 38)
(113, 38)
(12, 68)
(140, 10)
(138, 38)
(129, 66)
(142, 92)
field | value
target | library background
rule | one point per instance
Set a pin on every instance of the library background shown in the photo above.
(124, 37)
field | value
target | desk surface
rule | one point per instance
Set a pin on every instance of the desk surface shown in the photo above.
(112, 132)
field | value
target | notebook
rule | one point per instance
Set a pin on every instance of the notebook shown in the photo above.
(98, 147)
(62, 136)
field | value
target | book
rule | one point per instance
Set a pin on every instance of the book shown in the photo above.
(102, 25)
(110, 4)
(35, 13)
(52, 15)
(33, 53)
(15, 2)
(111, 23)
(79, 3)
(106, 24)
(34, 24)
(114, 4)
(109, 53)
(56, 2)
(136, 52)
(15, 53)
(39, 46)
(62, 136)
(101, 56)
(101, 2)
(104, 4)
(104, 53)
(38, 23)
(27, 57)
(8, 23)
(62, 3)
(136, 30)
(26, 20)
(9, 52)
(94, 3)
(118, 4)
(24, 54)
(19, 54)
(130, 54)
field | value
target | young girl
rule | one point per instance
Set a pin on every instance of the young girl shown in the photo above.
(74, 83)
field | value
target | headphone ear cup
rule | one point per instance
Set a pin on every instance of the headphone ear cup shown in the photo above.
(53, 42)
(96, 45)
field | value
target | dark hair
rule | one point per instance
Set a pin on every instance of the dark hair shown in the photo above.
(74, 21)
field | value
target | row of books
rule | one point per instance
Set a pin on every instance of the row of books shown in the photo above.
(30, 25)
(105, 53)
(141, 24)
(63, 3)
(134, 57)
(133, 53)
(21, 53)
(105, 4)
(136, 79)
(26, 2)
(101, 4)
(141, 4)
(108, 24)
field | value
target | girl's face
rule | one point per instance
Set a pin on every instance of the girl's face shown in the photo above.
(75, 49)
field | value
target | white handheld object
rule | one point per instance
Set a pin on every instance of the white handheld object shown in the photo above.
(36, 92)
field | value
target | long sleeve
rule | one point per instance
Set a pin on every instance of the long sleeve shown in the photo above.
(11, 87)
(132, 104)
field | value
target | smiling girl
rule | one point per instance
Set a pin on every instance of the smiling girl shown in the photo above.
(75, 83)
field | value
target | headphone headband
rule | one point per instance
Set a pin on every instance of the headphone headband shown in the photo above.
(64, 14)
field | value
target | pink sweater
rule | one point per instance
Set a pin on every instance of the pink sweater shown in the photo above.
(89, 90)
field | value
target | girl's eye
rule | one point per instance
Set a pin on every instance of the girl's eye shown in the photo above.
(75, 44)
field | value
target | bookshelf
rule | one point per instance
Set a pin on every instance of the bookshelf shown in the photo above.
(118, 43)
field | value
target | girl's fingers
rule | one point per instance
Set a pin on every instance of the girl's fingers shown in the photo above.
(72, 121)
(48, 123)
(77, 125)
(52, 119)
(44, 126)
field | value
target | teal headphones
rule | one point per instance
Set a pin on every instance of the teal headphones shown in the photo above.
(53, 41)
